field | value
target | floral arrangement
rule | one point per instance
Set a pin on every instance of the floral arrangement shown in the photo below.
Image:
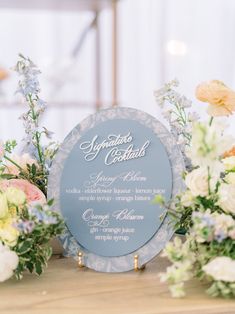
(206, 209)
(26, 222)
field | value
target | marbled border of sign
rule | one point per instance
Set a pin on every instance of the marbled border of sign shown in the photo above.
(165, 232)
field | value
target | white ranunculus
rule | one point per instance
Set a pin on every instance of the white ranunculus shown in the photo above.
(221, 268)
(229, 163)
(197, 182)
(187, 199)
(226, 195)
(8, 262)
(230, 178)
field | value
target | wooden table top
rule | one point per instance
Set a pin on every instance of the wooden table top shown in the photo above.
(64, 288)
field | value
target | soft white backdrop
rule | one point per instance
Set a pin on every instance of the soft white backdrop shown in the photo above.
(159, 40)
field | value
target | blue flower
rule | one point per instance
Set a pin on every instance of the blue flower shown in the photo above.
(220, 236)
(42, 216)
(26, 226)
(208, 220)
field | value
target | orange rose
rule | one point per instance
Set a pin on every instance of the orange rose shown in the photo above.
(229, 153)
(3, 74)
(221, 98)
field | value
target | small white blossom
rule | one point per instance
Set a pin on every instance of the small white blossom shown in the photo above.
(167, 114)
(182, 140)
(177, 290)
(222, 268)
(208, 144)
(193, 116)
(185, 102)
(8, 262)
(187, 198)
(226, 195)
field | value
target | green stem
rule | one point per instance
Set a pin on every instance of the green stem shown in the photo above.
(209, 178)
(37, 134)
(38, 148)
(211, 120)
(13, 162)
(181, 113)
(23, 173)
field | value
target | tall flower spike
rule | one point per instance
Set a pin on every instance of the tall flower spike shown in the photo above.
(36, 135)
(175, 111)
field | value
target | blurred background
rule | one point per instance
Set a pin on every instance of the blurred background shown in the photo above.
(99, 53)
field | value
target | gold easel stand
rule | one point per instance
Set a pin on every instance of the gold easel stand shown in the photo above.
(80, 260)
(136, 264)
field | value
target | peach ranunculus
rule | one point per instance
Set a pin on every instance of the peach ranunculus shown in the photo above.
(221, 98)
(22, 161)
(33, 193)
(3, 74)
(229, 153)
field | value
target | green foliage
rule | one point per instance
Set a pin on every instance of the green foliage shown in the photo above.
(33, 248)
(220, 288)
(10, 146)
(37, 225)
(181, 215)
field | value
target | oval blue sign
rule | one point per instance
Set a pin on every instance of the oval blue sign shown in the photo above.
(108, 183)
(103, 180)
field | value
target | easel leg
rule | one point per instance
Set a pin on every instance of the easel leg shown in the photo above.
(136, 264)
